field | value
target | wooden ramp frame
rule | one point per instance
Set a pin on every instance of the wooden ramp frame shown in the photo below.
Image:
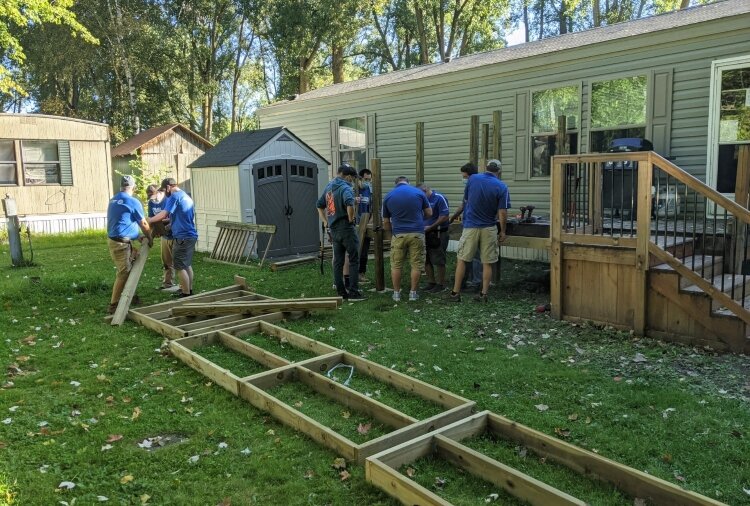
(382, 469)
(233, 238)
(311, 372)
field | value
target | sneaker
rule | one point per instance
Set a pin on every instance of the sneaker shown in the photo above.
(481, 297)
(396, 296)
(355, 295)
(452, 297)
(429, 286)
(413, 296)
(437, 288)
(171, 289)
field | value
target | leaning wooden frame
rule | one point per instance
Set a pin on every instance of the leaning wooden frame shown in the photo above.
(312, 373)
(382, 469)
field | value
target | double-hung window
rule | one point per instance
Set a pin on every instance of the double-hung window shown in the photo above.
(353, 141)
(8, 163)
(41, 163)
(546, 107)
(618, 110)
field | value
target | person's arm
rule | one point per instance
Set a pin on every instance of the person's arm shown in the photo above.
(160, 216)
(458, 212)
(440, 220)
(350, 213)
(322, 216)
(146, 229)
(387, 224)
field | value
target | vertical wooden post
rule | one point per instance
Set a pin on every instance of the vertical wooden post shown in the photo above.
(497, 135)
(14, 231)
(420, 152)
(642, 241)
(556, 216)
(474, 140)
(562, 136)
(377, 220)
(742, 197)
(485, 146)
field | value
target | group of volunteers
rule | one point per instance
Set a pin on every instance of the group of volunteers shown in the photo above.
(418, 218)
(127, 222)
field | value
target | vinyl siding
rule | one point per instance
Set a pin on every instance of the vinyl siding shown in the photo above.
(216, 193)
(446, 102)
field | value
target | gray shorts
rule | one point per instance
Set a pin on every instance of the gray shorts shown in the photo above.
(182, 253)
(436, 256)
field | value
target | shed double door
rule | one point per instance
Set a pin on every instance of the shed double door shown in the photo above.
(285, 196)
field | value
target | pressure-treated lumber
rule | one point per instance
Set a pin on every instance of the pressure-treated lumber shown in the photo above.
(128, 292)
(259, 307)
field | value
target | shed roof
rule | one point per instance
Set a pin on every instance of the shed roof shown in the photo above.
(148, 136)
(236, 147)
(667, 21)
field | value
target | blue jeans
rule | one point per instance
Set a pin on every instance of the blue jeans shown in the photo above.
(345, 241)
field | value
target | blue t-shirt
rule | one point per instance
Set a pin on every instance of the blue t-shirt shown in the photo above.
(485, 194)
(405, 205)
(439, 205)
(365, 194)
(181, 211)
(336, 197)
(155, 208)
(123, 215)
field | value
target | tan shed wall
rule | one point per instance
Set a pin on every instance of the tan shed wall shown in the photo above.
(216, 193)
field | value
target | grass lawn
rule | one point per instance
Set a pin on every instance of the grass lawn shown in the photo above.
(80, 399)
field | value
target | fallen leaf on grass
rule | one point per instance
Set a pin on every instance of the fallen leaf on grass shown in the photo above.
(640, 358)
(114, 437)
(298, 404)
(344, 475)
(678, 476)
(666, 412)
(573, 417)
(270, 432)
(126, 479)
(66, 485)
(23, 358)
(246, 451)
(106, 447)
(410, 472)
(227, 501)
(437, 368)
(639, 502)
(667, 457)
(542, 407)
(439, 482)
(145, 498)
(136, 413)
(102, 498)
(339, 463)
(194, 459)
(346, 414)
(491, 498)
(308, 474)
(562, 432)
(746, 490)
(617, 379)
(364, 428)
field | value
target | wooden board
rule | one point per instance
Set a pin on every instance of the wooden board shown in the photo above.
(128, 292)
(253, 308)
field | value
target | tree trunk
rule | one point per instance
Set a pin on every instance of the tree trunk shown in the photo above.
(123, 60)
(526, 21)
(597, 13)
(684, 4)
(238, 64)
(562, 18)
(337, 63)
(541, 19)
(384, 40)
(421, 34)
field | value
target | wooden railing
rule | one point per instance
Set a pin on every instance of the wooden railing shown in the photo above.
(643, 202)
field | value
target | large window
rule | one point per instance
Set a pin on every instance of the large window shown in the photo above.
(734, 125)
(353, 141)
(41, 162)
(8, 168)
(618, 110)
(546, 107)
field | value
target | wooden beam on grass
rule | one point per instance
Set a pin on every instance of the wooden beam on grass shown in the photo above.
(128, 292)
(252, 308)
(296, 340)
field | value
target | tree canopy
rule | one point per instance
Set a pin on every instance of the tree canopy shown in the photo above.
(209, 64)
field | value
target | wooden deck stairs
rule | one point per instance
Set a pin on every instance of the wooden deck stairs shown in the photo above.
(682, 281)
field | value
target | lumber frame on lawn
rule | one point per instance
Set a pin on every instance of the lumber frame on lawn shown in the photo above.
(255, 307)
(382, 469)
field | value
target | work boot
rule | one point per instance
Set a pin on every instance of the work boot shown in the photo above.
(481, 297)
(437, 288)
(452, 297)
(429, 286)
(355, 295)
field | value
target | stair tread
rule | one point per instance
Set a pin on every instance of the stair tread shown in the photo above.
(688, 262)
(726, 312)
(736, 280)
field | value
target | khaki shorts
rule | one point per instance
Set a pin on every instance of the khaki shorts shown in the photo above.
(411, 243)
(483, 238)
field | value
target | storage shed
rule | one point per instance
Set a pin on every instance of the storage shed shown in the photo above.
(57, 169)
(268, 177)
(166, 151)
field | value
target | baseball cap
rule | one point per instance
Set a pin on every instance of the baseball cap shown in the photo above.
(170, 181)
(494, 164)
(127, 182)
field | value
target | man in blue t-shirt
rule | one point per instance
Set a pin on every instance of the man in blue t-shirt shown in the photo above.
(156, 202)
(436, 239)
(336, 210)
(180, 210)
(486, 201)
(404, 210)
(125, 222)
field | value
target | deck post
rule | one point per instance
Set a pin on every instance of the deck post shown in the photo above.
(643, 238)
(14, 231)
(377, 222)
(497, 136)
(474, 140)
(485, 146)
(556, 215)
(420, 153)
(742, 197)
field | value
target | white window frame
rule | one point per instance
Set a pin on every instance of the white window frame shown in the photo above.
(712, 153)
